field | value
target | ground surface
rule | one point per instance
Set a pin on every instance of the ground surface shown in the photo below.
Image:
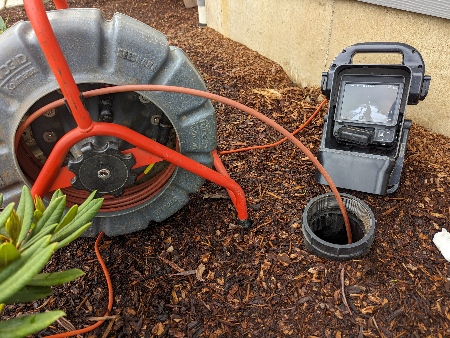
(262, 282)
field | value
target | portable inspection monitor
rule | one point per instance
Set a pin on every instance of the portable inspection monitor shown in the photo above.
(365, 132)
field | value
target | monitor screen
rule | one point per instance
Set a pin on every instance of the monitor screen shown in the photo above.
(369, 102)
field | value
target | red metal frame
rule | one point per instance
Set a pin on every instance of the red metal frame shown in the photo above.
(142, 158)
(55, 58)
(60, 4)
(147, 151)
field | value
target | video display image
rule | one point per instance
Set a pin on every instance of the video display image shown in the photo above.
(369, 102)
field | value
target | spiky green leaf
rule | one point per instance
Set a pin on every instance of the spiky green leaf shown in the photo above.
(4, 215)
(70, 215)
(25, 210)
(72, 237)
(29, 294)
(80, 220)
(37, 216)
(24, 256)
(87, 201)
(13, 226)
(44, 232)
(21, 207)
(24, 326)
(56, 194)
(8, 254)
(51, 216)
(2, 25)
(22, 276)
(38, 204)
(55, 278)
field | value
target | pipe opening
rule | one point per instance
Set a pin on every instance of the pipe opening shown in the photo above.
(329, 226)
(324, 229)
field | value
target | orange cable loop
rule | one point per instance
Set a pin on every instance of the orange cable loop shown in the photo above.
(188, 91)
(110, 298)
(279, 142)
(62, 4)
(207, 95)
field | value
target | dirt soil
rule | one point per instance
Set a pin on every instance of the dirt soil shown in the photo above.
(262, 282)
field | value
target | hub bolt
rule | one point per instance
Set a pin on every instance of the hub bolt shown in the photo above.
(49, 136)
(155, 119)
(50, 113)
(104, 174)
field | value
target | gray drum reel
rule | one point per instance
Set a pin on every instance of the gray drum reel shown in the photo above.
(103, 52)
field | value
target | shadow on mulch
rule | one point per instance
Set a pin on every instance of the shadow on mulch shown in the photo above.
(261, 282)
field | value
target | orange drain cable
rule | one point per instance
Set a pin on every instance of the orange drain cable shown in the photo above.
(97, 252)
(110, 298)
(189, 91)
(279, 142)
(207, 95)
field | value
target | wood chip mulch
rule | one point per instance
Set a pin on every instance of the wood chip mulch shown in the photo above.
(199, 275)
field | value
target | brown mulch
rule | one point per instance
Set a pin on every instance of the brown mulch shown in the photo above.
(262, 282)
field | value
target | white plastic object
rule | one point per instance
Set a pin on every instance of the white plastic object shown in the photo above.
(201, 5)
(442, 242)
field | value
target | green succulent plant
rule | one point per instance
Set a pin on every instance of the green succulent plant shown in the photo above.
(3, 24)
(28, 237)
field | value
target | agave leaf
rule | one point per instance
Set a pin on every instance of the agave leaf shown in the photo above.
(24, 256)
(13, 226)
(50, 216)
(72, 237)
(70, 215)
(38, 204)
(37, 216)
(22, 276)
(25, 210)
(3, 24)
(56, 194)
(87, 201)
(44, 232)
(4, 215)
(8, 254)
(21, 207)
(29, 294)
(26, 325)
(80, 220)
(55, 278)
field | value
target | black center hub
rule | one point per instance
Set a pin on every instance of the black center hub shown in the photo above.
(105, 169)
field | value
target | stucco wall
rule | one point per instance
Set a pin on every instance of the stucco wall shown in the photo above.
(304, 36)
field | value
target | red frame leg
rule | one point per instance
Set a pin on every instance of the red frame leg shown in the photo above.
(221, 169)
(60, 4)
